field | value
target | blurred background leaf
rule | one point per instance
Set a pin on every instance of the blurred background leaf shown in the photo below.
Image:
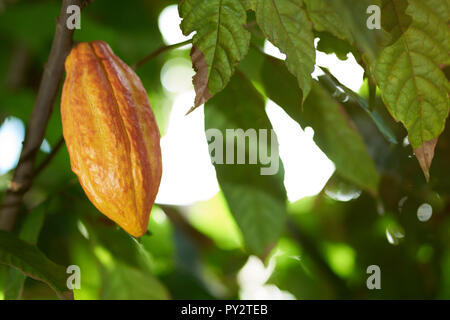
(256, 201)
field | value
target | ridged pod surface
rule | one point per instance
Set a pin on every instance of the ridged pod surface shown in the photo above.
(111, 135)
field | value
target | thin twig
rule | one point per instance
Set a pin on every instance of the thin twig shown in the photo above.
(179, 221)
(158, 51)
(50, 157)
(48, 88)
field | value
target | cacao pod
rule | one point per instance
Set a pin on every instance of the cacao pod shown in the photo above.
(111, 135)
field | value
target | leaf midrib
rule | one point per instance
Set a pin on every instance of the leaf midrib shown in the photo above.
(217, 41)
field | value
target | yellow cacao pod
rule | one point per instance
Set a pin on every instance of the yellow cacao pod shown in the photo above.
(111, 135)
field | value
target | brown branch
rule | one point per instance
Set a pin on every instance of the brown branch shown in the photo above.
(158, 51)
(49, 158)
(48, 88)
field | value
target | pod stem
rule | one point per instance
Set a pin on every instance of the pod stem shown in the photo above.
(158, 51)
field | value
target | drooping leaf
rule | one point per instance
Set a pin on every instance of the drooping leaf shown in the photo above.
(413, 87)
(333, 131)
(257, 202)
(286, 25)
(29, 232)
(32, 262)
(326, 18)
(220, 42)
(354, 14)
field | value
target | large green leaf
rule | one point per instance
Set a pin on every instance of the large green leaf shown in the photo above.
(326, 18)
(395, 21)
(333, 131)
(249, 4)
(354, 14)
(413, 87)
(220, 42)
(286, 25)
(257, 202)
(32, 262)
(29, 232)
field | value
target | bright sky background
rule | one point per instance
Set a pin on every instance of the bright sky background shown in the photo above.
(12, 132)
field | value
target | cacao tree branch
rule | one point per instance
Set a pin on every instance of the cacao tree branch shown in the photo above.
(48, 88)
(158, 51)
(50, 157)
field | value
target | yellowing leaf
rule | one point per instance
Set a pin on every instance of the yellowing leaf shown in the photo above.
(412, 85)
(220, 42)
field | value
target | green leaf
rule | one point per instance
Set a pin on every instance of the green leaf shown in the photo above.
(249, 4)
(395, 21)
(325, 18)
(32, 262)
(331, 44)
(127, 283)
(122, 246)
(257, 202)
(29, 232)
(220, 42)
(286, 25)
(333, 132)
(353, 13)
(412, 85)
